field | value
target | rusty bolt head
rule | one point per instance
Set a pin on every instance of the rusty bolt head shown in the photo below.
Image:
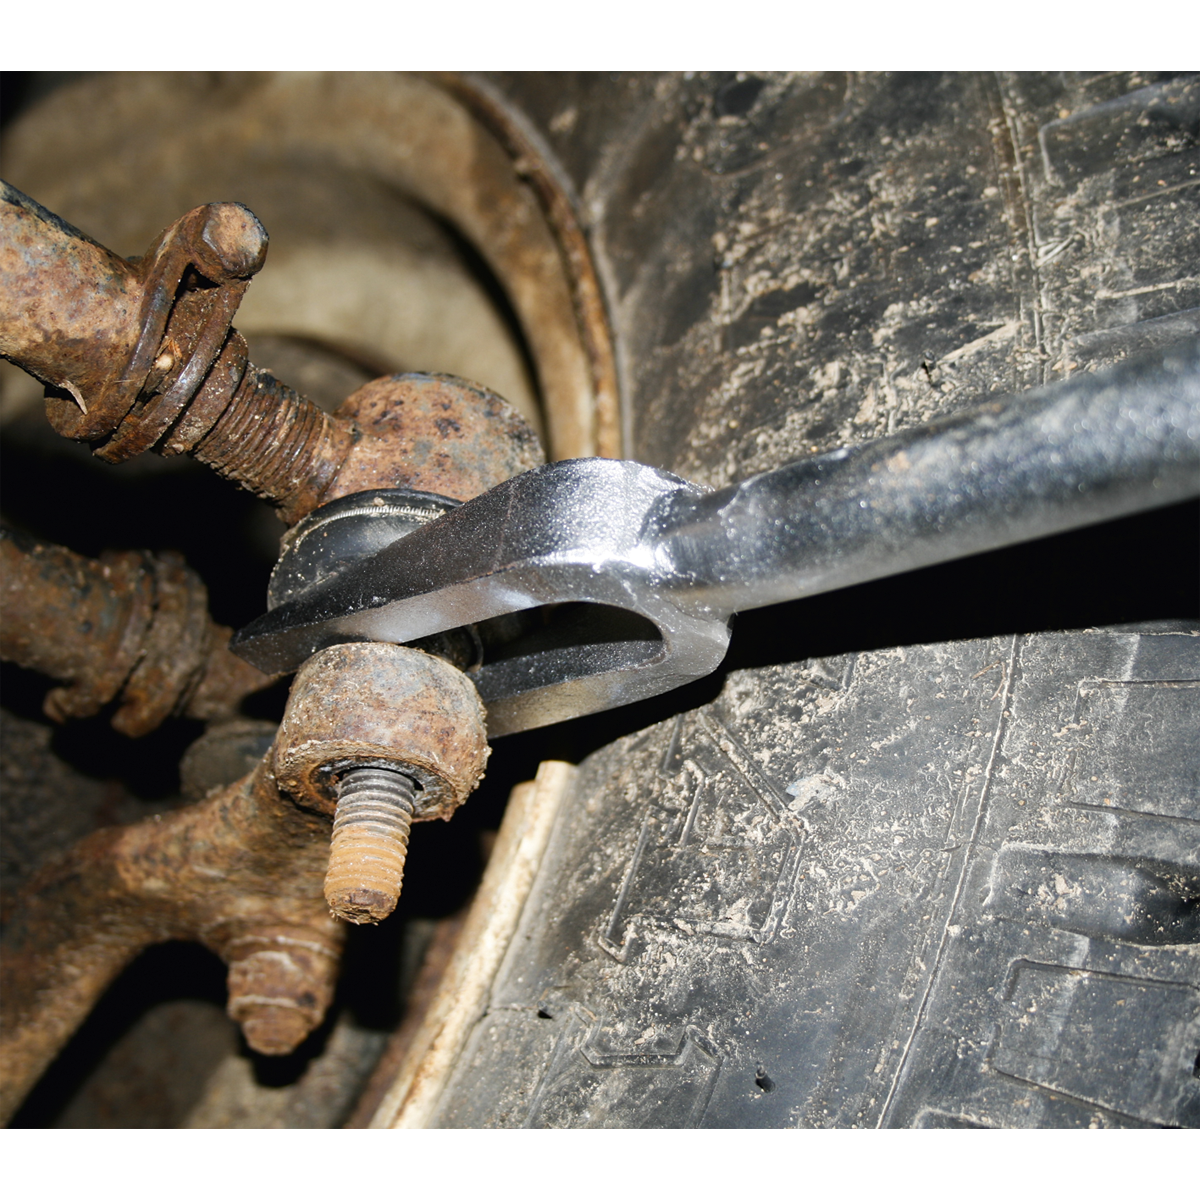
(375, 704)
(236, 238)
(280, 987)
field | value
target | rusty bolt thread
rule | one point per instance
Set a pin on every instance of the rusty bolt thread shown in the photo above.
(276, 444)
(433, 433)
(370, 843)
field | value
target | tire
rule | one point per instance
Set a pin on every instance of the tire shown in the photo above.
(923, 853)
(926, 853)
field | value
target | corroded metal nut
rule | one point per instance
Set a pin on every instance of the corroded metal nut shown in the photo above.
(375, 704)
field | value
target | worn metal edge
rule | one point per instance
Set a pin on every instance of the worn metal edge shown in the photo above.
(538, 166)
(462, 997)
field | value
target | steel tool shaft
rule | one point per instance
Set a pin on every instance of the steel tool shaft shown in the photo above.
(1085, 450)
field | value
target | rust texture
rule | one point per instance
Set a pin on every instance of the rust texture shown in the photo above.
(71, 306)
(399, 709)
(275, 443)
(124, 345)
(239, 872)
(433, 433)
(148, 359)
(392, 705)
(374, 735)
(369, 844)
(133, 625)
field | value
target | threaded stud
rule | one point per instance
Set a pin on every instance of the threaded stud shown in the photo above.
(370, 843)
(276, 444)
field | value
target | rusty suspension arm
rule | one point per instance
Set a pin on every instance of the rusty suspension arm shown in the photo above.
(239, 872)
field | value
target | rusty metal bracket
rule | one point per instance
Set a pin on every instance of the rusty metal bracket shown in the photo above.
(131, 624)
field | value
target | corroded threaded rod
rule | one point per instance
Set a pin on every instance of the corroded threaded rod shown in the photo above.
(276, 443)
(370, 842)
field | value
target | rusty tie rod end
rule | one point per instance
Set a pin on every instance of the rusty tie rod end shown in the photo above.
(140, 354)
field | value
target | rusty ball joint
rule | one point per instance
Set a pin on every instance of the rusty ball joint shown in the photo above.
(378, 736)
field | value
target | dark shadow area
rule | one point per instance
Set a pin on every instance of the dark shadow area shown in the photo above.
(23, 692)
(173, 971)
(20, 90)
(149, 769)
(282, 1070)
(14, 86)
(479, 269)
(55, 489)
(374, 954)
